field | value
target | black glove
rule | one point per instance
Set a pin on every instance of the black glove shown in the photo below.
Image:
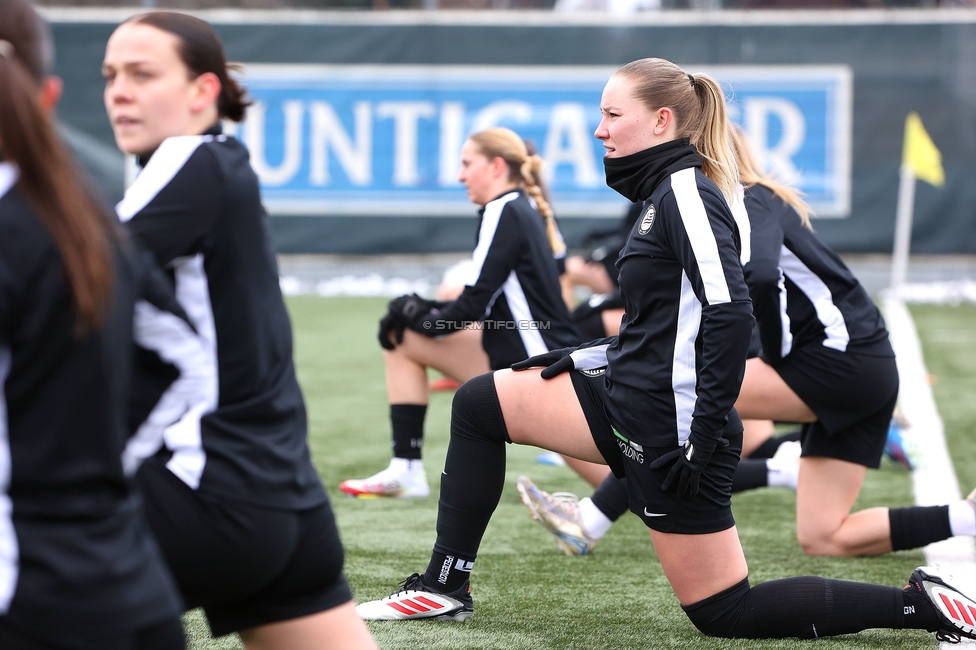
(553, 362)
(401, 313)
(411, 308)
(391, 323)
(690, 462)
(588, 356)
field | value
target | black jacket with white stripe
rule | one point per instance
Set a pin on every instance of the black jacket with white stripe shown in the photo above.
(802, 293)
(516, 296)
(678, 362)
(197, 207)
(74, 550)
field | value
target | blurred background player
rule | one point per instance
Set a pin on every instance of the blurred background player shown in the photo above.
(825, 362)
(78, 566)
(233, 498)
(511, 309)
(600, 313)
(465, 272)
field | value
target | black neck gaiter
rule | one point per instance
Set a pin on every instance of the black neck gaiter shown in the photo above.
(635, 176)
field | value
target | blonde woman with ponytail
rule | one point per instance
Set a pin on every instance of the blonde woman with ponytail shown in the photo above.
(826, 363)
(511, 309)
(656, 402)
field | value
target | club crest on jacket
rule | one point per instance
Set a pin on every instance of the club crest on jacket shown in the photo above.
(647, 219)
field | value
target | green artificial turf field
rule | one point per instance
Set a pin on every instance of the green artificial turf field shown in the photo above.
(527, 594)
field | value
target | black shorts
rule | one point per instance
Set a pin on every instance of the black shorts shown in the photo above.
(853, 396)
(245, 565)
(709, 512)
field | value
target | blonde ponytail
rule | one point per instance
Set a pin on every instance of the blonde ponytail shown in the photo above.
(711, 135)
(750, 172)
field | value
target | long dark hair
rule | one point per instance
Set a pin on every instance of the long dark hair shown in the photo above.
(201, 51)
(49, 180)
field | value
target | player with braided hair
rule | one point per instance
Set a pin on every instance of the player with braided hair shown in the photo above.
(513, 308)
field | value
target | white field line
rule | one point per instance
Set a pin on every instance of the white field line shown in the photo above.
(935, 479)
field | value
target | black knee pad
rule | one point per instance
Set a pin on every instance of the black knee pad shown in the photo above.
(476, 413)
(717, 615)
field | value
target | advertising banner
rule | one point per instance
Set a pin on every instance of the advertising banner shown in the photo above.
(386, 140)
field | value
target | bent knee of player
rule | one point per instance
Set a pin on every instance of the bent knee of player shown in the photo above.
(718, 615)
(476, 413)
(822, 541)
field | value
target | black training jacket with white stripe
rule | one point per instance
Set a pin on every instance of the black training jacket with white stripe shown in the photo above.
(516, 293)
(678, 362)
(802, 293)
(74, 550)
(196, 206)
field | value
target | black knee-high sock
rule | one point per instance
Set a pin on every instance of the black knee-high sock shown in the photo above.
(750, 474)
(771, 444)
(611, 498)
(472, 481)
(918, 526)
(805, 607)
(408, 429)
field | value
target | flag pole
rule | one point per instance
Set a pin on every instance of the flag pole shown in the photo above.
(903, 228)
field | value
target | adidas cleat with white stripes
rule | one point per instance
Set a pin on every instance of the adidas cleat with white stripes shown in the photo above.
(956, 611)
(415, 600)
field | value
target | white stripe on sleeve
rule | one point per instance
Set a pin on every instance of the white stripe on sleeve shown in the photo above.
(9, 549)
(684, 376)
(184, 438)
(187, 399)
(527, 325)
(685, 187)
(9, 173)
(741, 217)
(165, 163)
(835, 327)
(489, 223)
(786, 336)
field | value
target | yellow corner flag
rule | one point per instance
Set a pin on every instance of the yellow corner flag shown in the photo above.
(920, 153)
